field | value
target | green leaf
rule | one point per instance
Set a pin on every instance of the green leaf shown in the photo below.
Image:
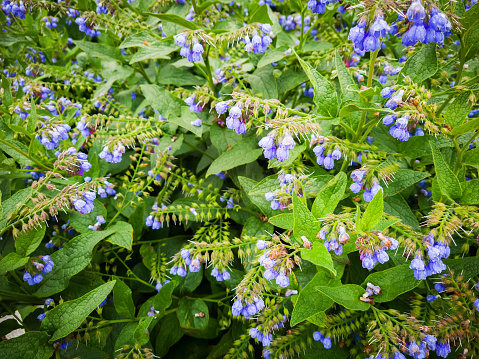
(185, 121)
(12, 261)
(122, 299)
(162, 100)
(66, 317)
(346, 295)
(155, 51)
(175, 19)
(309, 302)
(360, 106)
(32, 119)
(170, 74)
(70, 260)
(170, 332)
(272, 55)
(466, 127)
(373, 213)
(319, 255)
(141, 333)
(18, 156)
(398, 207)
(447, 181)
(346, 82)
(289, 79)
(102, 51)
(471, 157)
(245, 151)
(27, 242)
(456, 113)
(402, 179)
(223, 138)
(31, 345)
(137, 219)
(138, 40)
(470, 194)
(393, 282)
(10, 205)
(329, 197)
(325, 95)
(421, 65)
(163, 299)
(283, 220)
(187, 308)
(123, 235)
(256, 193)
(263, 83)
(7, 40)
(468, 267)
(7, 98)
(80, 221)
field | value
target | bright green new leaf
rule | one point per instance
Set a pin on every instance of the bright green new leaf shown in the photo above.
(329, 197)
(123, 235)
(283, 220)
(447, 181)
(27, 242)
(393, 282)
(12, 261)
(373, 213)
(122, 299)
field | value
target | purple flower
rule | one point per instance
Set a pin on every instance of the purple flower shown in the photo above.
(417, 264)
(282, 280)
(221, 107)
(443, 349)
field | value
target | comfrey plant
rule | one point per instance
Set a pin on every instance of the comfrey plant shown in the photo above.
(275, 179)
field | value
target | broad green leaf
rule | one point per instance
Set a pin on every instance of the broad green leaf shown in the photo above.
(398, 207)
(393, 282)
(123, 235)
(102, 51)
(170, 332)
(33, 118)
(293, 154)
(70, 260)
(310, 302)
(138, 40)
(7, 40)
(122, 300)
(80, 221)
(137, 219)
(360, 106)
(317, 46)
(319, 255)
(223, 138)
(19, 153)
(162, 100)
(283, 220)
(329, 197)
(421, 65)
(470, 194)
(467, 267)
(12, 261)
(325, 95)
(456, 112)
(155, 51)
(447, 181)
(402, 179)
(27, 242)
(10, 205)
(373, 213)
(466, 127)
(185, 121)
(263, 83)
(175, 19)
(384, 224)
(257, 193)
(346, 295)
(66, 317)
(126, 336)
(179, 76)
(186, 313)
(272, 55)
(163, 299)
(471, 157)
(7, 98)
(31, 345)
(290, 79)
(245, 151)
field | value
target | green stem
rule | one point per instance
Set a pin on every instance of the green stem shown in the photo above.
(195, 7)
(39, 164)
(302, 36)
(208, 67)
(199, 150)
(130, 271)
(142, 71)
(460, 151)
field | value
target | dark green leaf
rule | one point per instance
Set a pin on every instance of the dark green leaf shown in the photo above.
(393, 282)
(329, 197)
(346, 295)
(162, 100)
(27, 242)
(123, 235)
(175, 19)
(402, 179)
(122, 299)
(31, 345)
(421, 65)
(447, 181)
(186, 313)
(12, 261)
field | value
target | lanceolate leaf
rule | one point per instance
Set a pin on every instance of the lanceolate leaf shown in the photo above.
(447, 181)
(329, 197)
(373, 213)
(31, 345)
(421, 65)
(346, 295)
(66, 317)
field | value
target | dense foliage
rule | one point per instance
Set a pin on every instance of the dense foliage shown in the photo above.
(209, 179)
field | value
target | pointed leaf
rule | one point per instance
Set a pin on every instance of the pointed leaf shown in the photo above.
(329, 197)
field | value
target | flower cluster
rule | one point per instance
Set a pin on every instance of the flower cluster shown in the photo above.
(262, 335)
(276, 262)
(50, 22)
(259, 41)
(277, 146)
(107, 191)
(236, 119)
(362, 179)
(373, 248)
(281, 198)
(435, 252)
(368, 40)
(191, 49)
(194, 107)
(43, 264)
(52, 132)
(247, 309)
(87, 29)
(319, 6)
(79, 158)
(371, 290)
(152, 220)
(326, 155)
(332, 243)
(112, 153)
(83, 201)
(14, 8)
(427, 26)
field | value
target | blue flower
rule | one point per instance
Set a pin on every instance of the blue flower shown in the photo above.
(416, 11)
(41, 316)
(443, 349)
